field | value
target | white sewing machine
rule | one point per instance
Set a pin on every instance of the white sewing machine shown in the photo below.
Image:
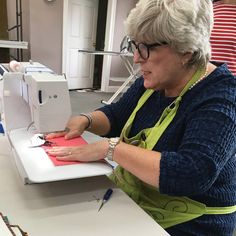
(36, 100)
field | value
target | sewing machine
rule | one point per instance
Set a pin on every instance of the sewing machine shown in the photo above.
(36, 100)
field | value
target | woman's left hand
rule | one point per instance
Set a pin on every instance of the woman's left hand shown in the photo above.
(84, 153)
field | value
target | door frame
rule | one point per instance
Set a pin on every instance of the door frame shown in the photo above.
(109, 36)
(64, 35)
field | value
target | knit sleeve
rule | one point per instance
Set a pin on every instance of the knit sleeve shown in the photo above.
(119, 112)
(208, 142)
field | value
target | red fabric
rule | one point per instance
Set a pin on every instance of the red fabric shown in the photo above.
(62, 142)
(223, 35)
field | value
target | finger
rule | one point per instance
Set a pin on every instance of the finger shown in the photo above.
(72, 134)
(59, 151)
(55, 135)
(66, 158)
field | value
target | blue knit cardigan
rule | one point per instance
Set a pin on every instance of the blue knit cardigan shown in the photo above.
(198, 148)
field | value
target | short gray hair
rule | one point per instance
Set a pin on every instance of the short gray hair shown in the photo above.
(185, 25)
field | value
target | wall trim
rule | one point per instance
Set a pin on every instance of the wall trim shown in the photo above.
(110, 27)
(64, 36)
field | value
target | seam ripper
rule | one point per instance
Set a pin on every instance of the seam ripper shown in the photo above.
(106, 197)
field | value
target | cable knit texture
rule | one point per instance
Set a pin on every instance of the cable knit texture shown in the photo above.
(198, 148)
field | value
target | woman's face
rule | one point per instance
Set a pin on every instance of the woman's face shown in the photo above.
(163, 69)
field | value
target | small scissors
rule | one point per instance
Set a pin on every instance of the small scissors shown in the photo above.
(38, 140)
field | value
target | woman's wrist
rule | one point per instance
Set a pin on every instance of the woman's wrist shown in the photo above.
(89, 118)
(113, 142)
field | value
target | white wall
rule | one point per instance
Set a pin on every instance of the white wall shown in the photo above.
(123, 8)
(43, 29)
(46, 33)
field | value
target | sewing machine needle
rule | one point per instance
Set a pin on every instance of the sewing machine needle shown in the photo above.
(106, 197)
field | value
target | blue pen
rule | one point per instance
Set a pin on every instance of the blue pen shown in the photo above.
(106, 197)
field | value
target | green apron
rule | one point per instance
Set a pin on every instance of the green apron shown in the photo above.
(164, 209)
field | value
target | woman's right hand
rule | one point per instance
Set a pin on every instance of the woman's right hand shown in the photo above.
(74, 128)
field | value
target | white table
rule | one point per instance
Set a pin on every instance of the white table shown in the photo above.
(69, 208)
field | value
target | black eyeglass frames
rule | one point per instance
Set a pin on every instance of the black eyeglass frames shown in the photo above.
(143, 48)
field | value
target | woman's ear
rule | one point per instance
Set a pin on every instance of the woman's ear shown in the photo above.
(186, 57)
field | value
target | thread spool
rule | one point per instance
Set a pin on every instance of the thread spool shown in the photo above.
(15, 66)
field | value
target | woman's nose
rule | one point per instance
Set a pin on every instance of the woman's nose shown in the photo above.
(137, 58)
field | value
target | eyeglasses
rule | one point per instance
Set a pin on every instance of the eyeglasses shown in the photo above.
(143, 48)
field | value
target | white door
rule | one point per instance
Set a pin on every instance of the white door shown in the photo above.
(79, 32)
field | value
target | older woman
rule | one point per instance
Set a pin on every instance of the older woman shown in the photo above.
(176, 124)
